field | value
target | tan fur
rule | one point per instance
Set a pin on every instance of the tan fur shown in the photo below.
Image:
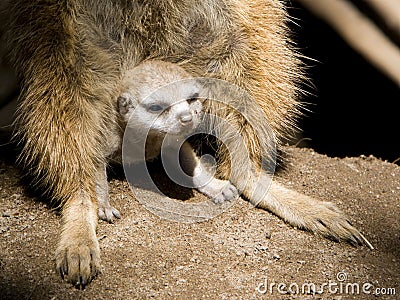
(70, 56)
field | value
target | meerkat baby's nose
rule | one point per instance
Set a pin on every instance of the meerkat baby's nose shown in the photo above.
(186, 119)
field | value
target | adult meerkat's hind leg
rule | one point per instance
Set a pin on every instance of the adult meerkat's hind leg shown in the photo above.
(247, 138)
(262, 62)
(257, 185)
(254, 180)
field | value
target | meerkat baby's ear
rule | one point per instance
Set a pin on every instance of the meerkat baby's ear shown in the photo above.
(126, 102)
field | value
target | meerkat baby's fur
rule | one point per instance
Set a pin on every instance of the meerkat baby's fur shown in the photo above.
(155, 102)
(70, 57)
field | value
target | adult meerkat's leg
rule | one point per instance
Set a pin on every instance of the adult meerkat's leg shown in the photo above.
(262, 62)
(305, 212)
(78, 252)
(254, 179)
(63, 119)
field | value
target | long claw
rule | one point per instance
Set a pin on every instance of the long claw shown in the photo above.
(369, 245)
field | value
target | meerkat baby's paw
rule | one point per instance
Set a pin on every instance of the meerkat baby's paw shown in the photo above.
(108, 213)
(78, 257)
(105, 211)
(219, 190)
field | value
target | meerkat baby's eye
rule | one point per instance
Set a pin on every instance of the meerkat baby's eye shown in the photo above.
(193, 98)
(155, 108)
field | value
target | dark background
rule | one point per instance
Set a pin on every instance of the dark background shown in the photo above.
(355, 109)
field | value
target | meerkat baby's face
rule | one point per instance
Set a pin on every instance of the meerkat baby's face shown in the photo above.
(172, 109)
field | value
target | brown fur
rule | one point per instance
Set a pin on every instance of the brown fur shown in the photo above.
(70, 56)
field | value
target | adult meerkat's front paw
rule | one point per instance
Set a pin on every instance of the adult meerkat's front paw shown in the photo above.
(78, 258)
(307, 213)
(327, 219)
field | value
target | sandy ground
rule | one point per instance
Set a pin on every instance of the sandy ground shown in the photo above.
(244, 253)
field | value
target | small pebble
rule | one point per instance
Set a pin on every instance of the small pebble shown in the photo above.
(263, 248)
(276, 256)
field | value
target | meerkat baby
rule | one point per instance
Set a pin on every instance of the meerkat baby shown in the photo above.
(159, 109)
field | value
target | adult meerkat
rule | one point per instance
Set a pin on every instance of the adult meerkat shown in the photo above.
(70, 57)
(155, 102)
